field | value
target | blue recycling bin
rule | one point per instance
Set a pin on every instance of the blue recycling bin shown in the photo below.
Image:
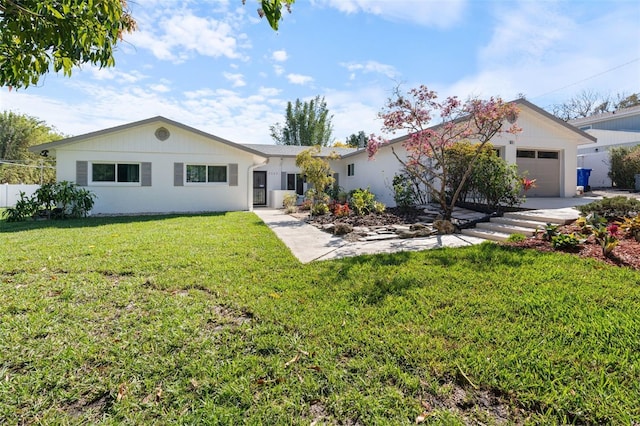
(583, 177)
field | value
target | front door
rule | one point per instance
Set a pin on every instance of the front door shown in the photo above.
(259, 188)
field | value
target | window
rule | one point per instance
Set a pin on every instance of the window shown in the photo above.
(200, 173)
(115, 172)
(521, 153)
(295, 182)
(548, 154)
(351, 169)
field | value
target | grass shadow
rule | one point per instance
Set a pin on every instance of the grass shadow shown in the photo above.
(94, 221)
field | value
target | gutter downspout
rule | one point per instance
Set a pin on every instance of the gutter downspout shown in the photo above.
(250, 182)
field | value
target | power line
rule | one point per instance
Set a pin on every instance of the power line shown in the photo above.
(588, 78)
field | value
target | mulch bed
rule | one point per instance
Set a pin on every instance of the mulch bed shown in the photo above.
(392, 216)
(626, 253)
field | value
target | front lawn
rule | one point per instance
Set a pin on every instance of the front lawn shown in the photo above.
(209, 319)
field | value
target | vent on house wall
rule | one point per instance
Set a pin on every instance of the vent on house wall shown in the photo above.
(162, 133)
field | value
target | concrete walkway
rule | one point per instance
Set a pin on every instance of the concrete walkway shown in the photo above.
(308, 243)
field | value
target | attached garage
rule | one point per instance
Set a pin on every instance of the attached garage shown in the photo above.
(543, 166)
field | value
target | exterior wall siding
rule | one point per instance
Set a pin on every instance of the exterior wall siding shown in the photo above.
(139, 145)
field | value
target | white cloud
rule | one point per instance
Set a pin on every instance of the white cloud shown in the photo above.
(160, 88)
(280, 55)
(432, 13)
(237, 80)
(299, 79)
(371, 67)
(114, 74)
(278, 70)
(176, 35)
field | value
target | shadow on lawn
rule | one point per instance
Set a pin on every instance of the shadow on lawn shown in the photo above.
(94, 221)
(480, 258)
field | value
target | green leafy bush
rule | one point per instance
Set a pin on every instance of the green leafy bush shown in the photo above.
(379, 207)
(492, 182)
(625, 164)
(403, 191)
(53, 200)
(612, 208)
(566, 241)
(362, 201)
(319, 209)
(516, 238)
(289, 202)
(550, 231)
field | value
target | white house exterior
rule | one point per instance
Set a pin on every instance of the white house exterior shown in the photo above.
(620, 128)
(157, 165)
(161, 166)
(545, 150)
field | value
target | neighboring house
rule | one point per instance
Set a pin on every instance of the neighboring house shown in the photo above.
(620, 128)
(159, 165)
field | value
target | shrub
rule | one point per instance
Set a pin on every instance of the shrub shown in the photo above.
(340, 210)
(403, 192)
(289, 200)
(62, 199)
(516, 238)
(362, 201)
(492, 182)
(612, 208)
(566, 241)
(631, 226)
(625, 164)
(379, 207)
(319, 209)
(306, 205)
(23, 209)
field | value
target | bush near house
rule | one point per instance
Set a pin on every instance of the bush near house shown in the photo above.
(492, 183)
(625, 164)
(58, 200)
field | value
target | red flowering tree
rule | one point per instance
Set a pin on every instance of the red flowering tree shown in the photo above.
(474, 120)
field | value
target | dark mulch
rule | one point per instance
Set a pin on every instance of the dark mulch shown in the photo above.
(626, 253)
(392, 216)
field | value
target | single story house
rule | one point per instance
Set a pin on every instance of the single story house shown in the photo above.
(614, 129)
(158, 165)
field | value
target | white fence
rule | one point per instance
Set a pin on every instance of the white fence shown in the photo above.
(9, 193)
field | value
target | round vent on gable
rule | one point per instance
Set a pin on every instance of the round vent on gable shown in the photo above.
(162, 133)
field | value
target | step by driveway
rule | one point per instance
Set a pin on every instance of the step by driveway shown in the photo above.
(525, 223)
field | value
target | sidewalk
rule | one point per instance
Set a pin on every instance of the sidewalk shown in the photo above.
(308, 243)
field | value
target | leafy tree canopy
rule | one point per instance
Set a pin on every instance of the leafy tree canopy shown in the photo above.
(306, 124)
(357, 140)
(17, 133)
(36, 35)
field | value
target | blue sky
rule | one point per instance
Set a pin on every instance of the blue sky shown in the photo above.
(214, 65)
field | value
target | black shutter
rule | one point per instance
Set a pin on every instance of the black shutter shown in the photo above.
(82, 173)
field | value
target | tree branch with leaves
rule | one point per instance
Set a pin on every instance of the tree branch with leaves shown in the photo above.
(37, 35)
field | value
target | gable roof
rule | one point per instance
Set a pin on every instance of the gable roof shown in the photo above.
(293, 150)
(522, 102)
(606, 116)
(157, 119)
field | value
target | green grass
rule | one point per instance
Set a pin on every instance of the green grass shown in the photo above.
(209, 319)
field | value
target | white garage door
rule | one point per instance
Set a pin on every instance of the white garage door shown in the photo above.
(544, 167)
